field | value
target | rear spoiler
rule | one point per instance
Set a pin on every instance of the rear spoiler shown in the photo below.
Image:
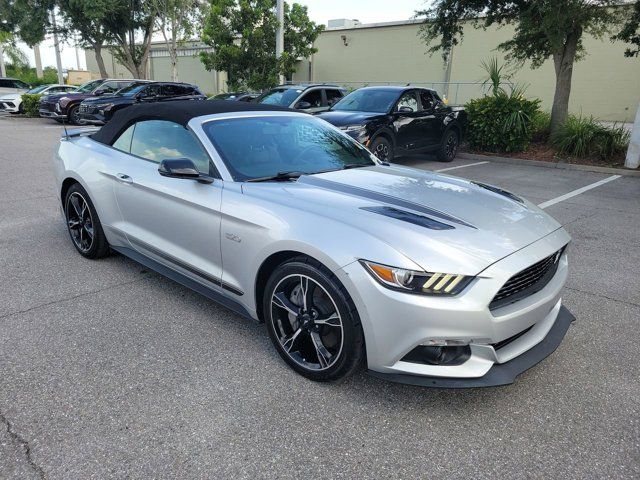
(78, 132)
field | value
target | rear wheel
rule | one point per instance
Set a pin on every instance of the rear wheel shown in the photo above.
(382, 148)
(312, 321)
(449, 147)
(83, 224)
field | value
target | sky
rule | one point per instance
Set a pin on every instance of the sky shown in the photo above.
(320, 11)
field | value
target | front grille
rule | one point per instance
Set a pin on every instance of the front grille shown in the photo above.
(527, 282)
(83, 108)
(48, 106)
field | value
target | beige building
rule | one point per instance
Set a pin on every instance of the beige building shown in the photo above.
(605, 83)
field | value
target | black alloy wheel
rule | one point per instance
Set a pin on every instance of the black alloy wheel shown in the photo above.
(312, 322)
(382, 148)
(449, 147)
(83, 224)
(74, 115)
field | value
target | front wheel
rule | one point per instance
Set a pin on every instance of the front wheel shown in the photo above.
(312, 321)
(382, 148)
(74, 115)
(449, 147)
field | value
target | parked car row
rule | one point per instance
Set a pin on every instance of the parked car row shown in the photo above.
(388, 120)
(12, 102)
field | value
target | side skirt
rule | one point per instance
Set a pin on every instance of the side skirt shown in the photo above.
(188, 282)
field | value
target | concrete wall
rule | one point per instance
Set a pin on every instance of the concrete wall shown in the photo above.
(605, 83)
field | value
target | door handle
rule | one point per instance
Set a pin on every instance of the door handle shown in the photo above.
(124, 178)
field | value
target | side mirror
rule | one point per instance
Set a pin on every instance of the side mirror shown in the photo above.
(302, 105)
(99, 92)
(182, 168)
(405, 109)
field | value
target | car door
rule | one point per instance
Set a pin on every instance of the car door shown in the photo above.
(406, 121)
(173, 221)
(427, 120)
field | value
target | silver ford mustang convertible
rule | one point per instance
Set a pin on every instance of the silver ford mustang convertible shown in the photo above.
(428, 279)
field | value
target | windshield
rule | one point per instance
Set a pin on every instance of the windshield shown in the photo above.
(379, 101)
(279, 96)
(89, 86)
(260, 147)
(132, 89)
(37, 89)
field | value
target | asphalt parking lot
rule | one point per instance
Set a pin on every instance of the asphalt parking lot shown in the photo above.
(108, 370)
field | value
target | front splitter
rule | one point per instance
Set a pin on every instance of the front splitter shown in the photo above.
(500, 373)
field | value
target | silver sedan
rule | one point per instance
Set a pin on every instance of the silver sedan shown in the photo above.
(427, 279)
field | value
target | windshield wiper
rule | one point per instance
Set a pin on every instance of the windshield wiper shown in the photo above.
(278, 176)
(349, 166)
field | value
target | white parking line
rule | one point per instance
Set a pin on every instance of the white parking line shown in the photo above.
(459, 166)
(566, 196)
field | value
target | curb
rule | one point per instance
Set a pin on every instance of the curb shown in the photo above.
(560, 165)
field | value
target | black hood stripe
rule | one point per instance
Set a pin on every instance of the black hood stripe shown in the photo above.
(378, 197)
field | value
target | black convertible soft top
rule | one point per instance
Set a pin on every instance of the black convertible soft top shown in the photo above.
(179, 111)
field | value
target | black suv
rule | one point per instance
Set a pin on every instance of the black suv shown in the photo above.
(99, 110)
(311, 98)
(394, 121)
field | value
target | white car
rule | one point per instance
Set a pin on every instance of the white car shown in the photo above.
(12, 102)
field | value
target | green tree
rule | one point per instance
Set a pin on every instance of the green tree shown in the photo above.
(242, 34)
(543, 29)
(130, 27)
(630, 32)
(28, 20)
(89, 19)
(176, 20)
(16, 57)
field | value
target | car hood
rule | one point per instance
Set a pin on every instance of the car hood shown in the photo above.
(57, 96)
(10, 96)
(341, 118)
(487, 224)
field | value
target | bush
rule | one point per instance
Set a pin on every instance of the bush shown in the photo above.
(29, 76)
(541, 126)
(586, 137)
(30, 104)
(502, 122)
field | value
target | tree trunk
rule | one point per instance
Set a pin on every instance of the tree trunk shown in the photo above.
(100, 61)
(563, 62)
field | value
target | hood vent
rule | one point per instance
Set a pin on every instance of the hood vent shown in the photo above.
(409, 217)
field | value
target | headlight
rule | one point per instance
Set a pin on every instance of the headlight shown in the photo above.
(412, 281)
(353, 129)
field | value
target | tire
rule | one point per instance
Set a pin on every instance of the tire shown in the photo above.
(449, 146)
(73, 115)
(83, 224)
(21, 109)
(323, 342)
(382, 148)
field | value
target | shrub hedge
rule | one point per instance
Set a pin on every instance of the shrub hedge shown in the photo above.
(502, 122)
(586, 137)
(30, 104)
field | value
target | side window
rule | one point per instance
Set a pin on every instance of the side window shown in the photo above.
(408, 99)
(109, 87)
(19, 84)
(123, 143)
(151, 91)
(4, 83)
(158, 140)
(427, 100)
(314, 97)
(333, 95)
(174, 90)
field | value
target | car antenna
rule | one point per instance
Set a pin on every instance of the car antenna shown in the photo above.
(66, 134)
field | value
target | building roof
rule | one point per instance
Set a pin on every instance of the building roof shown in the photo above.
(180, 111)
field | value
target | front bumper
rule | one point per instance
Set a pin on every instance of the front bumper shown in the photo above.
(8, 106)
(92, 118)
(500, 373)
(395, 323)
(49, 114)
